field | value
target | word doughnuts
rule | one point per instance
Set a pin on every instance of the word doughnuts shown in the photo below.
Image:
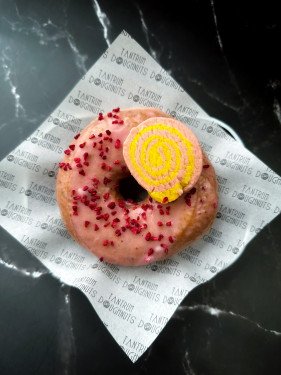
(164, 156)
(180, 199)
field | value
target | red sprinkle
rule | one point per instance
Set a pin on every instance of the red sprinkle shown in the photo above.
(92, 136)
(109, 168)
(150, 251)
(85, 188)
(160, 237)
(159, 223)
(206, 166)
(169, 224)
(106, 180)
(103, 165)
(95, 181)
(161, 212)
(105, 243)
(86, 223)
(171, 239)
(165, 200)
(106, 216)
(82, 172)
(148, 236)
(143, 215)
(67, 152)
(61, 165)
(72, 147)
(114, 122)
(77, 136)
(163, 245)
(77, 160)
(96, 227)
(116, 161)
(203, 187)
(111, 205)
(120, 122)
(82, 145)
(109, 114)
(215, 205)
(94, 144)
(101, 259)
(192, 191)
(108, 132)
(116, 110)
(85, 155)
(166, 251)
(111, 243)
(118, 232)
(105, 196)
(115, 116)
(117, 143)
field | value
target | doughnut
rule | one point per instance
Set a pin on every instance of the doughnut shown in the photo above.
(148, 146)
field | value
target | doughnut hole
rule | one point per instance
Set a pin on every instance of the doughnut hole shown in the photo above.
(129, 188)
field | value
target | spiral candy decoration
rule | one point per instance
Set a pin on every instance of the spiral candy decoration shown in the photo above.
(164, 156)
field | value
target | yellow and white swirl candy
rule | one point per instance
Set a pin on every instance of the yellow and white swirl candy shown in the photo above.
(164, 156)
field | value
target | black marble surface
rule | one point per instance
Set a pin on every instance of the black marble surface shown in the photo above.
(226, 54)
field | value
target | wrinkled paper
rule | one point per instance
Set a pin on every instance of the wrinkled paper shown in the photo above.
(134, 303)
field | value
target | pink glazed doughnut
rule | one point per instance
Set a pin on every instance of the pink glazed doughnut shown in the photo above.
(122, 231)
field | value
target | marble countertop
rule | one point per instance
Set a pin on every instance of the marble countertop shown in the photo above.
(226, 56)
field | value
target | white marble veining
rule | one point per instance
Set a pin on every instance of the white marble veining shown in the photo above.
(232, 76)
(10, 78)
(214, 96)
(66, 343)
(155, 53)
(104, 21)
(187, 364)
(277, 110)
(35, 274)
(50, 33)
(218, 312)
